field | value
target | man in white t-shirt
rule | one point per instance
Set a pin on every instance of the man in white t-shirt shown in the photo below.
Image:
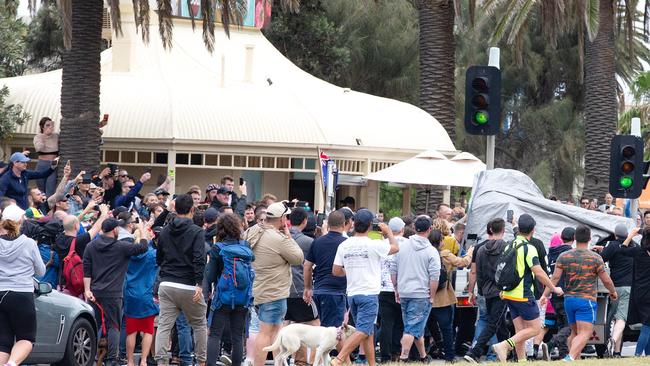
(359, 260)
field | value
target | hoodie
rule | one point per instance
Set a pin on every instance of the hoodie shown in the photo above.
(416, 265)
(181, 252)
(274, 254)
(138, 287)
(20, 260)
(553, 255)
(106, 261)
(486, 265)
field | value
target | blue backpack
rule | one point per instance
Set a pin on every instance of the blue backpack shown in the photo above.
(235, 286)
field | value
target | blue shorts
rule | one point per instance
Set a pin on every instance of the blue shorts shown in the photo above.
(580, 310)
(415, 313)
(272, 312)
(527, 310)
(331, 309)
(364, 310)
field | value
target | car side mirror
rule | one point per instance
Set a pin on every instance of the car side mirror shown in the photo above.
(44, 288)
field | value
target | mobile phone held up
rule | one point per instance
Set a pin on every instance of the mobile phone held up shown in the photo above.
(510, 216)
(241, 181)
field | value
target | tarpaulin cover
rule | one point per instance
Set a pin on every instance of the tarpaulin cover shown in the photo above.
(496, 191)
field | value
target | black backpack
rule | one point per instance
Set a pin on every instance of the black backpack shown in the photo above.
(506, 275)
(442, 280)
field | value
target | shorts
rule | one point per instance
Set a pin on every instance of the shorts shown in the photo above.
(272, 312)
(331, 309)
(144, 325)
(17, 318)
(300, 312)
(415, 313)
(580, 310)
(364, 310)
(622, 303)
(527, 310)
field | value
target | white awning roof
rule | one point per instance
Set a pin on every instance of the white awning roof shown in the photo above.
(188, 95)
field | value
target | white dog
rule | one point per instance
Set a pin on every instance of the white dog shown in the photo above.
(322, 339)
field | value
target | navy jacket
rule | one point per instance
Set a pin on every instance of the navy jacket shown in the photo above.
(17, 187)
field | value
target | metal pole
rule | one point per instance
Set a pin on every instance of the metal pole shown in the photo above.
(635, 129)
(495, 54)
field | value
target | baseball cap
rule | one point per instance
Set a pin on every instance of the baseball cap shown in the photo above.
(118, 210)
(347, 213)
(13, 213)
(126, 218)
(364, 216)
(223, 190)
(396, 224)
(423, 223)
(569, 234)
(161, 191)
(19, 157)
(620, 231)
(210, 214)
(276, 210)
(526, 223)
(110, 224)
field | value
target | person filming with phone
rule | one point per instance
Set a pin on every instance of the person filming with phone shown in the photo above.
(47, 147)
(14, 183)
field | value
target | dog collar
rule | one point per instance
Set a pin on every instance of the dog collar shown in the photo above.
(339, 333)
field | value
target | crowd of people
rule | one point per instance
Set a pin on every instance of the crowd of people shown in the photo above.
(208, 276)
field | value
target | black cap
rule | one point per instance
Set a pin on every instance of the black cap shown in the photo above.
(526, 224)
(347, 200)
(210, 214)
(422, 224)
(118, 210)
(223, 190)
(161, 191)
(126, 218)
(568, 234)
(347, 213)
(110, 224)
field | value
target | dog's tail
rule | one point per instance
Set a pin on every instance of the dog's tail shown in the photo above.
(275, 345)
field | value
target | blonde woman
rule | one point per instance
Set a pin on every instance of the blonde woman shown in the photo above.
(448, 241)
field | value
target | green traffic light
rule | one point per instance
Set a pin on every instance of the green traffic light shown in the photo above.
(626, 182)
(481, 117)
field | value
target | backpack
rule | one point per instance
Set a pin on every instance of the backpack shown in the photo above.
(442, 280)
(235, 286)
(506, 275)
(73, 271)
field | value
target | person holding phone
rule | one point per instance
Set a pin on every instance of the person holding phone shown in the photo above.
(46, 143)
(14, 184)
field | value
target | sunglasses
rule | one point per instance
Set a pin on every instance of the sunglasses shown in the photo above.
(584, 203)
(124, 176)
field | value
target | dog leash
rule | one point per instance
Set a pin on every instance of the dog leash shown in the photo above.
(101, 314)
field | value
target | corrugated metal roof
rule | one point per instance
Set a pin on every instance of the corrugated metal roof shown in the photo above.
(154, 94)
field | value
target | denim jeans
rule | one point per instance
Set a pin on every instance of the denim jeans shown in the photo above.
(643, 343)
(46, 185)
(444, 317)
(481, 323)
(184, 340)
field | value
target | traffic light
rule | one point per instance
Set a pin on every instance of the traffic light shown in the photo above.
(482, 100)
(626, 167)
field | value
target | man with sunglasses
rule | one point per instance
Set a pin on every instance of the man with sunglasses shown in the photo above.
(584, 203)
(14, 183)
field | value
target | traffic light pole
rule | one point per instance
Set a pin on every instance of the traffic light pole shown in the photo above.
(635, 129)
(494, 60)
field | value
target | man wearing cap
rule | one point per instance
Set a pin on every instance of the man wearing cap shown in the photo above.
(162, 196)
(521, 300)
(105, 262)
(327, 291)
(390, 312)
(359, 260)
(222, 199)
(415, 276)
(621, 271)
(275, 251)
(14, 183)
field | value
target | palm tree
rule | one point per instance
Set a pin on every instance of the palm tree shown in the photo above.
(602, 21)
(82, 20)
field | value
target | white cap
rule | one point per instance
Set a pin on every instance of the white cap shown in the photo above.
(396, 224)
(13, 213)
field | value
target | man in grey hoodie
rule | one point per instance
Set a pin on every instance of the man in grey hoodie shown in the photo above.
(415, 275)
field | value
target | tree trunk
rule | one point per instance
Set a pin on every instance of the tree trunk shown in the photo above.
(437, 62)
(600, 103)
(80, 137)
(437, 83)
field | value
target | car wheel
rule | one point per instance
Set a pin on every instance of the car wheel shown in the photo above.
(82, 345)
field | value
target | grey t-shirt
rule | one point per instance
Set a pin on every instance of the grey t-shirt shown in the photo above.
(298, 280)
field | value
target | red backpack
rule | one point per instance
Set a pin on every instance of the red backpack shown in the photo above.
(73, 271)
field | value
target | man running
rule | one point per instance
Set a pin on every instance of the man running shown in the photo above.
(581, 268)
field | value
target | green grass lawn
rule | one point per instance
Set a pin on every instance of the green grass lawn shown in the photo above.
(626, 361)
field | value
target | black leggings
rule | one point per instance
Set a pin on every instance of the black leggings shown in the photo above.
(17, 318)
(237, 319)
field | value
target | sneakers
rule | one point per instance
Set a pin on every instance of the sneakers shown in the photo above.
(426, 359)
(469, 358)
(501, 349)
(567, 358)
(226, 360)
(546, 355)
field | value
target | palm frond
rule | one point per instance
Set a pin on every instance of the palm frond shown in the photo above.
(505, 20)
(592, 17)
(207, 12)
(192, 15)
(646, 20)
(144, 19)
(520, 19)
(116, 17)
(472, 12)
(11, 6)
(165, 24)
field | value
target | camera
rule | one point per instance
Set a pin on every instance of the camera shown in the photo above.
(375, 225)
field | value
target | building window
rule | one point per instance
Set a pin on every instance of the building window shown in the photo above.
(128, 157)
(160, 158)
(197, 159)
(112, 156)
(182, 159)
